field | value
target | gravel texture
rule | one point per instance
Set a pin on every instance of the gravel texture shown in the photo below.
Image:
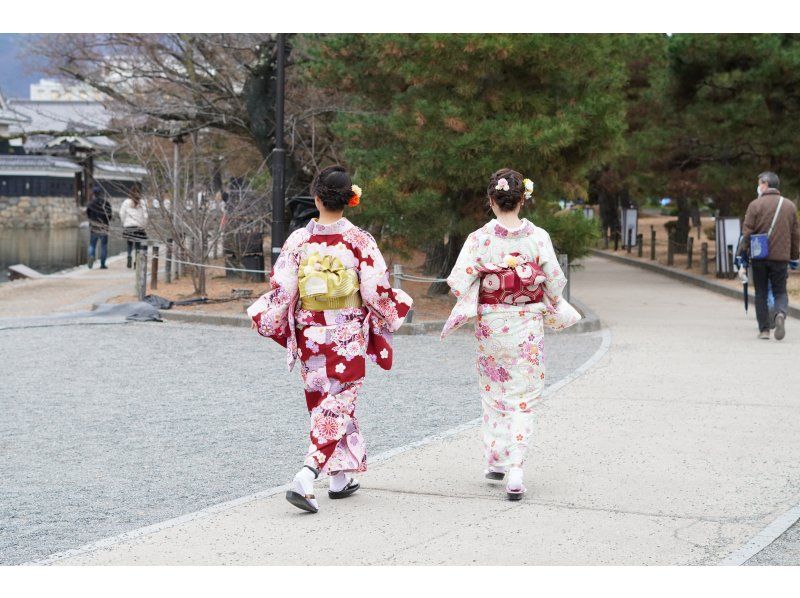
(785, 550)
(108, 428)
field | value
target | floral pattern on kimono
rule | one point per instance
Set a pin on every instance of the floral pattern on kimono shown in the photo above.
(510, 354)
(332, 344)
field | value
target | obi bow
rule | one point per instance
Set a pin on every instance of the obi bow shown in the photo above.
(516, 280)
(325, 283)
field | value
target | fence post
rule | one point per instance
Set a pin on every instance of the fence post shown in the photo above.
(670, 250)
(704, 258)
(154, 269)
(689, 249)
(639, 244)
(616, 240)
(652, 242)
(168, 262)
(629, 240)
(605, 238)
(141, 272)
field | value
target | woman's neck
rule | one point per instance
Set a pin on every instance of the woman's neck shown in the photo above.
(329, 217)
(509, 219)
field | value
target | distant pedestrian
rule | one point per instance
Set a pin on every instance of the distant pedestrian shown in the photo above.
(774, 218)
(99, 213)
(508, 276)
(133, 214)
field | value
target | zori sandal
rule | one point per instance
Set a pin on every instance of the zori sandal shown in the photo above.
(351, 487)
(298, 496)
(494, 475)
(515, 493)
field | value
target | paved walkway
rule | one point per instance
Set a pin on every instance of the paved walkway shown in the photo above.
(670, 450)
(74, 290)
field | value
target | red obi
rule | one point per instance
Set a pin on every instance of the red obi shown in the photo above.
(502, 284)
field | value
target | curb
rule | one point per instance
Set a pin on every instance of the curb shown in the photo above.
(694, 279)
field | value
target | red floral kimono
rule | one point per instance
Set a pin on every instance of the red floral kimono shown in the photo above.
(332, 344)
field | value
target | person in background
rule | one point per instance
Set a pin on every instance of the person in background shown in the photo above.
(133, 214)
(99, 213)
(775, 216)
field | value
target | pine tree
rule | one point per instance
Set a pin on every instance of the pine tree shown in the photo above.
(437, 114)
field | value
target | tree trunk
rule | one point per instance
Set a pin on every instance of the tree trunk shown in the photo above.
(439, 262)
(681, 237)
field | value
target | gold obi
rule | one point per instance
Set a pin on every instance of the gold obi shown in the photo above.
(325, 283)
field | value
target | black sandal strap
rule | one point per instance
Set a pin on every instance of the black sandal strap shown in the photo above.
(316, 471)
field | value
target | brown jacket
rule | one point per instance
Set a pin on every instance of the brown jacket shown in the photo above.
(784, 243)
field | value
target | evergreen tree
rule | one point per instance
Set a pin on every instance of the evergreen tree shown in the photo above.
(436, 114)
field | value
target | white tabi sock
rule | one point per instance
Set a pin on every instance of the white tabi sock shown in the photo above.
(305, 477)
(514, 478)
(338, 481)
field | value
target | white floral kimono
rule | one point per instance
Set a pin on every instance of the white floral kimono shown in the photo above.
(332, 343)
(512, 282)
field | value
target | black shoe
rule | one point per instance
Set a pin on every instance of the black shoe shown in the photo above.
(780, 327)
(103, 267)
(90, 263)
(129, 262)
(351, 487)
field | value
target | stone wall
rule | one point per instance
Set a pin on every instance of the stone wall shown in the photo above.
(39, 212)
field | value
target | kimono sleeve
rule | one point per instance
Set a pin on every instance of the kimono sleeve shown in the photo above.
(464, 282)
(556, 281)
(559, 313)
(271, 311)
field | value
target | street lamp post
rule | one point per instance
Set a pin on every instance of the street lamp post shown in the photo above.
(278, 155)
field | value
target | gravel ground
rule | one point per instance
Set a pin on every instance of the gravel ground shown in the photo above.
(108, 428)
(785, 550)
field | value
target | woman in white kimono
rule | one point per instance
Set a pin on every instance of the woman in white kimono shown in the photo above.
(507, 275)
(330, 305)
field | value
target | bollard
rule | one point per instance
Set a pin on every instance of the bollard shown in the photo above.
(639, 244)
(616, 240)
(652, 242)
(168, 262)
(154, 269)
(605, 239)
(670, 250)
(141, 272)
(704, 258)
(630, 240)
(689, 249)
(731, 272)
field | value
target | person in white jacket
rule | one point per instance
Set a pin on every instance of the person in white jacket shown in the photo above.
(133, 214)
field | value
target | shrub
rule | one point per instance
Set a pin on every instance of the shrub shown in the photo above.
(571, 232)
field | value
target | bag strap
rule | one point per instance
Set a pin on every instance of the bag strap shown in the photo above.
(775, 217)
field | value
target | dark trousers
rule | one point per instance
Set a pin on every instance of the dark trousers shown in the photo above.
(766, 273)
(103, 238)
(133, 234)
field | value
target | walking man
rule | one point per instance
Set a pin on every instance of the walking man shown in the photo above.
(99, 213)
(775, 216)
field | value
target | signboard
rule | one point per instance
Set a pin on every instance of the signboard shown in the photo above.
(629, 225)
(728, 231)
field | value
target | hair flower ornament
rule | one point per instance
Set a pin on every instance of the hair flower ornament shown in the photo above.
(502, 184)
(355, 199)
(528, 188)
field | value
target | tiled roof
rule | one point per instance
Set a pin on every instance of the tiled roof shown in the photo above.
(59, 116)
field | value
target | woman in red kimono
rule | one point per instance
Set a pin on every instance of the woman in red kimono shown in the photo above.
(330, 305)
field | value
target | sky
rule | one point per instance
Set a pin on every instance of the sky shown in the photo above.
(14, 75)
